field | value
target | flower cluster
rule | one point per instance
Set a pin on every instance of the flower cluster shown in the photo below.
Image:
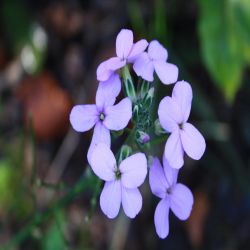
(125, 174)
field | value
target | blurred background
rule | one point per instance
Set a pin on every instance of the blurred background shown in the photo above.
(49, 51)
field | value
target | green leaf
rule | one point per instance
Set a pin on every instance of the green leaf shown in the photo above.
(223, 43)
(54, 238)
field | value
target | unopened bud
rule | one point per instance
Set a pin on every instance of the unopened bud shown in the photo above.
(125, 152)
(158, 128)
(142, 137)
(148, 98)
(144, 88)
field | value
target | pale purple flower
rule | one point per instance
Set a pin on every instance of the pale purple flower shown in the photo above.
(121, 182)
(104, 115)
(126, 52)
(173, 115)
(155, 60)
(174, 196)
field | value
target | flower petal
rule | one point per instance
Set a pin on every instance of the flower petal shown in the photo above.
(157, 179)
(167, 72)
(131, 201)
(133, 170)
(173, 150)
(181, 201)
(118, 116)
(100, 135)
(108, 91)
(157, 52)
(124, 43)
(144, 67)
(161, 218)
(107, 68)
(103, 162)
(170, 173)
(193, 142)
(183, 95)
(83, 117)
(138, 48)
(169, 114)
(110, 199)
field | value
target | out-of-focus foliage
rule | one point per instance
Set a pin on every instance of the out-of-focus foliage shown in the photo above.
(54, 238)
(28, 40)
(224, 29)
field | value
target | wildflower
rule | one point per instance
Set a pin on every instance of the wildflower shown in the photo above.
(126, 52)
(174, 196)
(173, 115)
(155, 60)
(104, 115)
(121, 182)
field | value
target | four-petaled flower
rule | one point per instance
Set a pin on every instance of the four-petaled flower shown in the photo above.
(104, 115)
(121, 182)
(126, 52)
(174, 196)
(173, 115)
(155, 59)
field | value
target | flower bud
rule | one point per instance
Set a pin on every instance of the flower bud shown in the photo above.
(135, 112)
(129, 87)
(158, 128)
(144, 88)
(125, 152)
(142, 137)
(148, 98)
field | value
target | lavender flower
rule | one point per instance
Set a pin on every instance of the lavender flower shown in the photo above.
(174, 196)
(126, 52)
(173, 115)
(121, 182)
(155, 59)
(104, 115)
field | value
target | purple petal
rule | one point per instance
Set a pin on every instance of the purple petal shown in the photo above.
(108, 91)
(131, 201)
(169, 114)
(103, 162)
(100, 135)
(173, 150)
(167, 72)
(170, 173)
(157, 52)
(183, 95)
(157, 179)
(138, 48)
(161, 218)
(193, 142)
(181, 201)
(144, 67)
(118, 116)
(83, 117)
(133, 170)
(110, 199)
(124, 43)
(107, 68)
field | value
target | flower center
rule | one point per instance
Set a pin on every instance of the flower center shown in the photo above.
(118, 174)
(181, 125)
(102, 117)
(169, 191)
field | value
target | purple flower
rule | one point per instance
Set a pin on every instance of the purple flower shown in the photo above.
(126, 52)
(121, 182)
(174, 196)
(104, 115)
(173, 115)
(155, 59)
